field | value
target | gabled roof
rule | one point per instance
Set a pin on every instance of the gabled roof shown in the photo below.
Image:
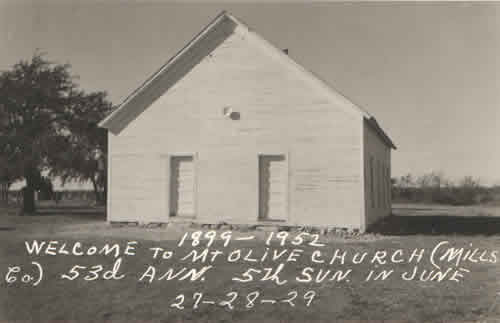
(211, 36)
(372, 122)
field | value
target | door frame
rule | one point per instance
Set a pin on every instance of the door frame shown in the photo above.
(168, 157)
(287, 186)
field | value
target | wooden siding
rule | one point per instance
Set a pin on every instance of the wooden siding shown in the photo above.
(377, 156)
(280, 112)
(137, 187)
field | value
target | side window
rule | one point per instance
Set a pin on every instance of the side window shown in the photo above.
(379, 191)
(372, 183)
(389, 187)
(382, 185)
(386, 186)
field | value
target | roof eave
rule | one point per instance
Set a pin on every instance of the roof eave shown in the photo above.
(371, 121)
(107, 122)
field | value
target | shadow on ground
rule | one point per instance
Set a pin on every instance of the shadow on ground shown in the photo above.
(437, 225)
(94, 213)
(57, 209)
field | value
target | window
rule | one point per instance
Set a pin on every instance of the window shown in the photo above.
(379, 186)
(382, 185)
(389, 186)
(372, 183)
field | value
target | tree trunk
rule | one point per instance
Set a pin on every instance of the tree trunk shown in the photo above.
(28, 200)
(29, 192)
(98, 198)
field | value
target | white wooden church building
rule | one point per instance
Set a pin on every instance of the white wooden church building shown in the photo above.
(232, 130)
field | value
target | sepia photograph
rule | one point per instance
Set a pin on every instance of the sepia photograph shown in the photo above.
(249, 161)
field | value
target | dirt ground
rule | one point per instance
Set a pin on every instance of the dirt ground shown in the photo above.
(473, 299)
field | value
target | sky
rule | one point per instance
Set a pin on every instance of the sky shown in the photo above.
(429, 72)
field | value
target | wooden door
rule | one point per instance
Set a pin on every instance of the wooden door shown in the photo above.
(273, 187)
(182, 186)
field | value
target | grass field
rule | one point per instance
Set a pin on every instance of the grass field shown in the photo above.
(415, 209)
(474, 299)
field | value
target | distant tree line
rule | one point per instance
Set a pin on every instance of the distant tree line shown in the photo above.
(434, 187)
